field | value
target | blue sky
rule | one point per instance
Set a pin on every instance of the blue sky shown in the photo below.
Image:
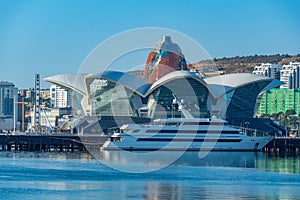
(54, 36)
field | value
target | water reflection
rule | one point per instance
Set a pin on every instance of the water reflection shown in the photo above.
(46, 155)
(213, 159)
(259, 160)
(220, 159)
(220, 175)
(279, 164)
(220, 190)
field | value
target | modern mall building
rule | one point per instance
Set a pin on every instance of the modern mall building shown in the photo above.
(166, 89)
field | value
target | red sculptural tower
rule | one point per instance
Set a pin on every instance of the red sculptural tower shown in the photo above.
(164, 58)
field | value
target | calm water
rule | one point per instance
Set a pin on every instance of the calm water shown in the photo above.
(220, 175)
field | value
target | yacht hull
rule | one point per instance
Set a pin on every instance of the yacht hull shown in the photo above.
(243, 143)
(184, 134)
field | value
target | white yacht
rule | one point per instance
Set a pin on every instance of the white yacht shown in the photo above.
(184, 134)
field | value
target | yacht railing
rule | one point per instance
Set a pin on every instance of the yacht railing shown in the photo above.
(251, 132)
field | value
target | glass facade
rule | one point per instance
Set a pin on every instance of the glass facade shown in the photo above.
(77, 108)
(105, 96)
(242, 102)
(7, 98)
(110, 99)
(191, 94)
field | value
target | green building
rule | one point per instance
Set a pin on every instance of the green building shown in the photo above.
(279, 100)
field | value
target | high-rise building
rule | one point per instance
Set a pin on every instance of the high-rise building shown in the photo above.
(290, 75)
(60, 97)
(268, 69)
(8, 108)
(8, 93)
(279, 100)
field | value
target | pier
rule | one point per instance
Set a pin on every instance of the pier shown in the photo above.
(48, 143)
(283, 145)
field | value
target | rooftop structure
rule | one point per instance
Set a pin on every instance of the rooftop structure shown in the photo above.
(164, 58)
(241, 92)
(108, 93)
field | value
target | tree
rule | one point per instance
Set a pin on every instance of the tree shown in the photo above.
(290, 112)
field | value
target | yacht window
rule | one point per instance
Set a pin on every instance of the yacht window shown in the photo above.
(205, 123)
(173, 123)
(116, 139)
(127, 130)
(191, 131)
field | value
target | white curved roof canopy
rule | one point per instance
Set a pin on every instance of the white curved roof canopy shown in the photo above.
(80, 82)
(70, 81)
(223, 84)
(133, 83)
(176, 75)
(217, 85)
(273, 84)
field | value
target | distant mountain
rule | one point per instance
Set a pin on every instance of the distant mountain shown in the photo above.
(242, 63)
